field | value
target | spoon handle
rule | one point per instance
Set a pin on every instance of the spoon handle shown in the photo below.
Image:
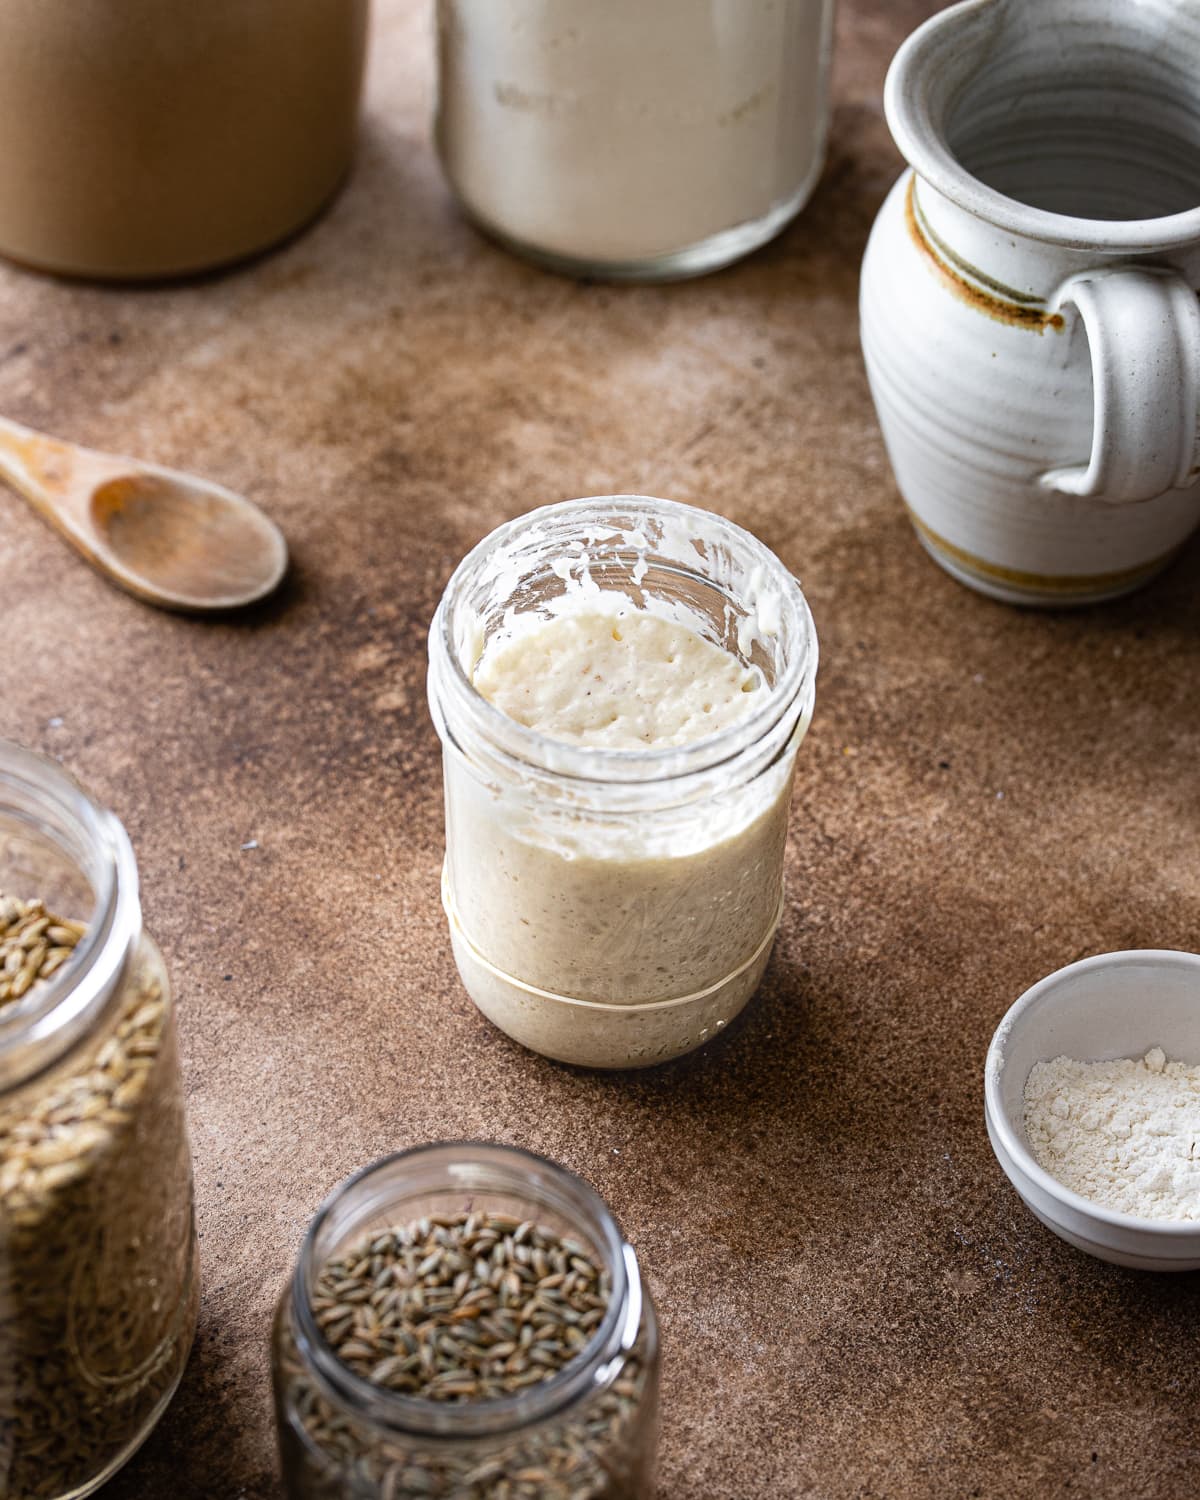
(17, 447)
(53, 476)
(30, 463)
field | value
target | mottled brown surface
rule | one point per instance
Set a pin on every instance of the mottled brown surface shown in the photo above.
(854, 1301)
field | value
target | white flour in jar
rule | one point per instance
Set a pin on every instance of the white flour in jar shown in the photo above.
(1125, 1133)
(614, 131)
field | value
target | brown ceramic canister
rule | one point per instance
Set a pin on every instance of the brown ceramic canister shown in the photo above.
(149, 138)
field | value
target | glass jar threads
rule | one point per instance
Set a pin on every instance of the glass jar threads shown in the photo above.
(98, 1277)
(466, 1321)
(616, 907)
(630, 140)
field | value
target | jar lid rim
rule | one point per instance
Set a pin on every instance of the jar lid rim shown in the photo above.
(38, 1030)
(600, 764)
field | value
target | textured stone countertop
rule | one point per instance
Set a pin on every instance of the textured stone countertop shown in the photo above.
(854, 1301)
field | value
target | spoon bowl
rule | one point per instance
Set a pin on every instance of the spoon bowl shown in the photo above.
(186, 534)
(167, 537)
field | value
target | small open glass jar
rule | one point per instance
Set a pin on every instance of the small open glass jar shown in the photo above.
(615, 908)
(98, 1278)
(630, 140)
(588, 1432)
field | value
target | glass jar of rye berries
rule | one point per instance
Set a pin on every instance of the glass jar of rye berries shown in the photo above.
(98, 1284)
(466, 1321)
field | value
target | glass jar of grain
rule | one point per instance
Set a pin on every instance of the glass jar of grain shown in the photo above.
(466, 1321)
(98, 1282)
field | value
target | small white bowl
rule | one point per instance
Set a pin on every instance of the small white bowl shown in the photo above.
(1113, 1005)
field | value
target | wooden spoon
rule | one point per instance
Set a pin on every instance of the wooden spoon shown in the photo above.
(169, 538)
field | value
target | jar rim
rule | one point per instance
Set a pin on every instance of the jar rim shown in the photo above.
(595, 1366)
(36, 1031)
(599, 764)
(922, 84)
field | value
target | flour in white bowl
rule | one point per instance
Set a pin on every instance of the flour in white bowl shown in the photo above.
(1125, 1133)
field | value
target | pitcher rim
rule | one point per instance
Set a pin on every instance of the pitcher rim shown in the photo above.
(908, 106)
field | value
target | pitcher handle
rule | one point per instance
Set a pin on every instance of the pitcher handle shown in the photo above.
(1143, 328)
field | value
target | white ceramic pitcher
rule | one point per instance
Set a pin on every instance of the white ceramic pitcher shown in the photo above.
(1029, 309)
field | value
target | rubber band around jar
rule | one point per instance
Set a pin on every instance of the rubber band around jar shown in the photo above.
(604, 1005)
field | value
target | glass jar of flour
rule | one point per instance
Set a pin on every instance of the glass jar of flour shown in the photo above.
(633, 140)
(621, 686)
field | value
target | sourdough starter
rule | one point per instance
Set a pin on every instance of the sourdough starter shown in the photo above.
(618, 131)
(621, 685)
(623, 680)
(646, 909)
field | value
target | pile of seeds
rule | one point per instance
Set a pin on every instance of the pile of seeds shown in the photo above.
(97, 1281)
(33, 945)
(464, 1308)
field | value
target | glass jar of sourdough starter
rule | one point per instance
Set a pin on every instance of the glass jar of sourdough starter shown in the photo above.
(631, 140)
(348, 1426)
(98, 1280)
(611, 907)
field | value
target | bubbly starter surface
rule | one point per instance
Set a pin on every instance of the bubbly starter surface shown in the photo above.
(625, 682)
